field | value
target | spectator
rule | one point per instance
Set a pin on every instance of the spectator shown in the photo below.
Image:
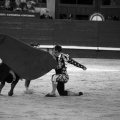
(29, 7)
(113, 18)
(2, 5)
(46, 15)
(109, 18)
(18, 5)
(116, 18)
(70, 16)
(8, 5)
(23, 4)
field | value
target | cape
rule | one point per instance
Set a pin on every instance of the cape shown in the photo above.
(28, 62)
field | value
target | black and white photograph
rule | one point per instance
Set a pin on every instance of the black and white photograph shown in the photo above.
(59, 59)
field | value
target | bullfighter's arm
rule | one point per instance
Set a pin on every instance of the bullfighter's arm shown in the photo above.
(75, 63)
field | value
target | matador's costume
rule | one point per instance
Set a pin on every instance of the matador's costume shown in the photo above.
(61, 75)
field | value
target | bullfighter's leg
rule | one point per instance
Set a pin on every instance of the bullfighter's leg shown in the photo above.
(63, 92)
(13, 84)
(2, 85)
(27, 84)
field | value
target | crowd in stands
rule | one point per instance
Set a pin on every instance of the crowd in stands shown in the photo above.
(18, 5)
(22, 5)
(113, 18)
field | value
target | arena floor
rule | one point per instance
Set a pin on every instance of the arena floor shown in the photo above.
(101, 99)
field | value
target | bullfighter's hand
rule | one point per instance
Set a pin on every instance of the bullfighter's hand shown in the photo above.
(83, 67)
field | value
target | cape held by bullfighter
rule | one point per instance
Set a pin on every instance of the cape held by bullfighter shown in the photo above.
(29, 63)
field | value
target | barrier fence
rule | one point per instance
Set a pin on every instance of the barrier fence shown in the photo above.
(78, 38)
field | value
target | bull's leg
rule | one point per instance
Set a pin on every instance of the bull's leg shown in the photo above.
(13, 84)
(2, 85)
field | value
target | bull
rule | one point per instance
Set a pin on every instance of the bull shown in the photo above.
(7, 75)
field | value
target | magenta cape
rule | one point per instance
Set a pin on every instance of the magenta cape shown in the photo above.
(29, 63)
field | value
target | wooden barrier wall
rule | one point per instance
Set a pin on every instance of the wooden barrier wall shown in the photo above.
(68, 33)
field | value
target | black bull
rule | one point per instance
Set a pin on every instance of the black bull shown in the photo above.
(6, 76)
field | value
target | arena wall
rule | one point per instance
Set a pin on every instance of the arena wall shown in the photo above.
(87, 38)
